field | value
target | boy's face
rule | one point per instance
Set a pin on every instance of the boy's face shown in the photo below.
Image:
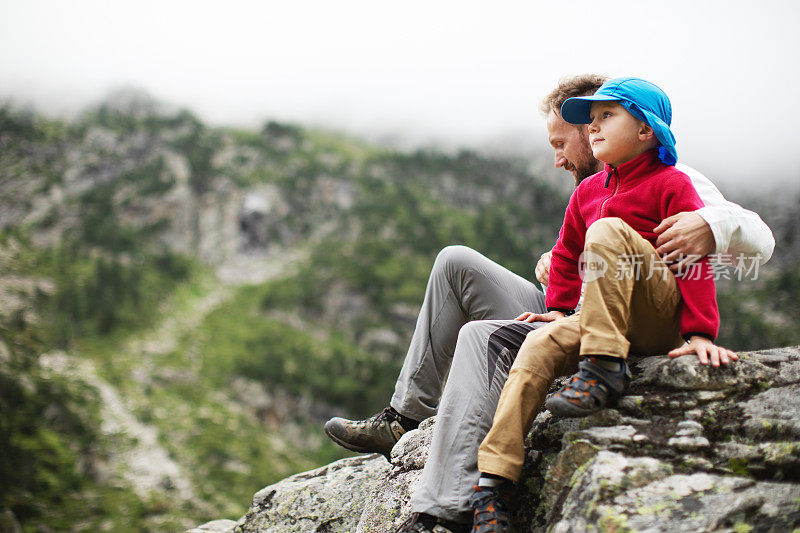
(614, 134)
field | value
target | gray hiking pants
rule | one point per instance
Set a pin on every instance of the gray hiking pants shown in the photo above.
(465, 327)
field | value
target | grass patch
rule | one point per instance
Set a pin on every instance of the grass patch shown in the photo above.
(242, 338)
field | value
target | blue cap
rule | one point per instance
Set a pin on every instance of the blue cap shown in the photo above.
(644, 100)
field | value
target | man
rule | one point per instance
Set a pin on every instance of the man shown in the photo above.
(466, 326)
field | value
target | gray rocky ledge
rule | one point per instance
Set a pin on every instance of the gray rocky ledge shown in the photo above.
(689, 448)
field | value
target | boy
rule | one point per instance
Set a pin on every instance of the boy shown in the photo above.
(632, 301)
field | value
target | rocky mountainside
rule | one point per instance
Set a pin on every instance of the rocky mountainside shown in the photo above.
(156, 276)
(690, 448)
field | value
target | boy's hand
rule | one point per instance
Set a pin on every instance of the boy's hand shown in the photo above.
(686, 236)
(705, 350)
(533, 317)
(543, 268)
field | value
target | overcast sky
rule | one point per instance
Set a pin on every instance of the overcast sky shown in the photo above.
(459, 73)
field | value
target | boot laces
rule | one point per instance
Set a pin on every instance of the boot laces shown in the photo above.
(387, 415)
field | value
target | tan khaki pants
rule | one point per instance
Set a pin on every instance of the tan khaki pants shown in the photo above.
(631, 303)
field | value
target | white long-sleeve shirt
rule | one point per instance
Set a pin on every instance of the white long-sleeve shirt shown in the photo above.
(736, 230)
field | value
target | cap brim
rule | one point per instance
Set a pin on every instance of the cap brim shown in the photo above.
(576, 110)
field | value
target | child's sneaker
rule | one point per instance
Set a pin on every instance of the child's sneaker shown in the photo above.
(491, 507)
(590, 390)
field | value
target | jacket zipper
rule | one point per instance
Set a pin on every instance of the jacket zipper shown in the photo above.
(616, 188)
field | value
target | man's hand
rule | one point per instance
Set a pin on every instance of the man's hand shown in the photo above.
(705, 350)
(684, 236)
(533, 317)
(543, 268)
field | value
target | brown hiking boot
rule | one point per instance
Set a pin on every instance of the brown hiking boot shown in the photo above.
(373, 435)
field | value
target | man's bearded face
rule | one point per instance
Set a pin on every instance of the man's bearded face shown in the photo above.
(572, 150)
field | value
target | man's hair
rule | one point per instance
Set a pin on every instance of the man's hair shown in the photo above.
(581, 85)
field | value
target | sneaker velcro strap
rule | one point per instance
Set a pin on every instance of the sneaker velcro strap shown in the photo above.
(594, 385)
(616, 381)
(581, 387)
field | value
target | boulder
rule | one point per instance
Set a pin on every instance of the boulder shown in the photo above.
(689, 447)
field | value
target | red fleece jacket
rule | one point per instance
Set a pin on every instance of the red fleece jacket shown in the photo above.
(642, 192)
